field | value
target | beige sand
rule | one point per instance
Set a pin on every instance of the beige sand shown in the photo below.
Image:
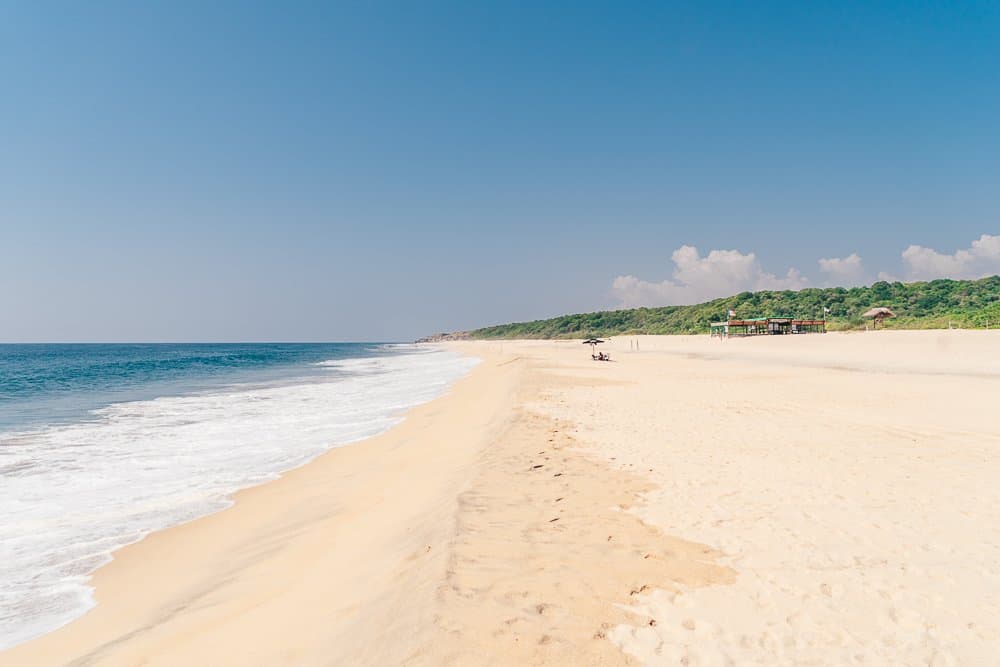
(850, 480)
(794, 500)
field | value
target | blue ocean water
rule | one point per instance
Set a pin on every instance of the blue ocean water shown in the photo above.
(46, 383)
(102, 444)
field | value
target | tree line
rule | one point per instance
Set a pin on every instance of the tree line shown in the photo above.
(918, 305)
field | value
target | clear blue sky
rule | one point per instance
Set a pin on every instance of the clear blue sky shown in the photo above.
(301, 171)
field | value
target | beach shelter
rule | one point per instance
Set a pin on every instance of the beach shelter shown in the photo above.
(878, 314)
(593, 343)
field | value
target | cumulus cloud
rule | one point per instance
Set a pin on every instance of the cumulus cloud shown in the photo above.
(843, 271)
(696, 278)
(980, 259)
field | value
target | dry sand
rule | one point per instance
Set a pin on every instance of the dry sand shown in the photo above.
(850, 481)
(787, 500)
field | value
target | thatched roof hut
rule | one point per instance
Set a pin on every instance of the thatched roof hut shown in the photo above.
(878, 314)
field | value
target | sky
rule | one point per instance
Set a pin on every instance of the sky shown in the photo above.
(181, 171)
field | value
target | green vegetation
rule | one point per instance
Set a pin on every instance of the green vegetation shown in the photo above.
(931, 305)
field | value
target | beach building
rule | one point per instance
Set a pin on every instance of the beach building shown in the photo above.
(808, 326)
(766, 326)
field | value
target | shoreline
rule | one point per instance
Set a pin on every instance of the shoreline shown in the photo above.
(214, 421)
(125, 607)
(802, 499)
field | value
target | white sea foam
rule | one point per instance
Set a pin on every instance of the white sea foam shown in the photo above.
(74, 493)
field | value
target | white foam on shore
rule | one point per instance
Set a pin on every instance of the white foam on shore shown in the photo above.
(72, 494)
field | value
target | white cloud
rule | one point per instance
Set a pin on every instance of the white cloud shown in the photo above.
(982, 258)
(696, 279)
(844, 271)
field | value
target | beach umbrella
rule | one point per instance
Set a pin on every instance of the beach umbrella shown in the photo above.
(592, 342)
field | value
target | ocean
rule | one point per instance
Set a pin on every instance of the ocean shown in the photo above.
(102, 444)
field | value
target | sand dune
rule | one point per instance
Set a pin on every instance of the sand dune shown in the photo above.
(798, 500)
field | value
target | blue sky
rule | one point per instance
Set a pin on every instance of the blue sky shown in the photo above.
(377, 171)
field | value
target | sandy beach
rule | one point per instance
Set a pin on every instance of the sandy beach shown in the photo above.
(820, 499)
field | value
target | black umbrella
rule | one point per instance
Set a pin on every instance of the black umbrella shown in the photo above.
(592, 342)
